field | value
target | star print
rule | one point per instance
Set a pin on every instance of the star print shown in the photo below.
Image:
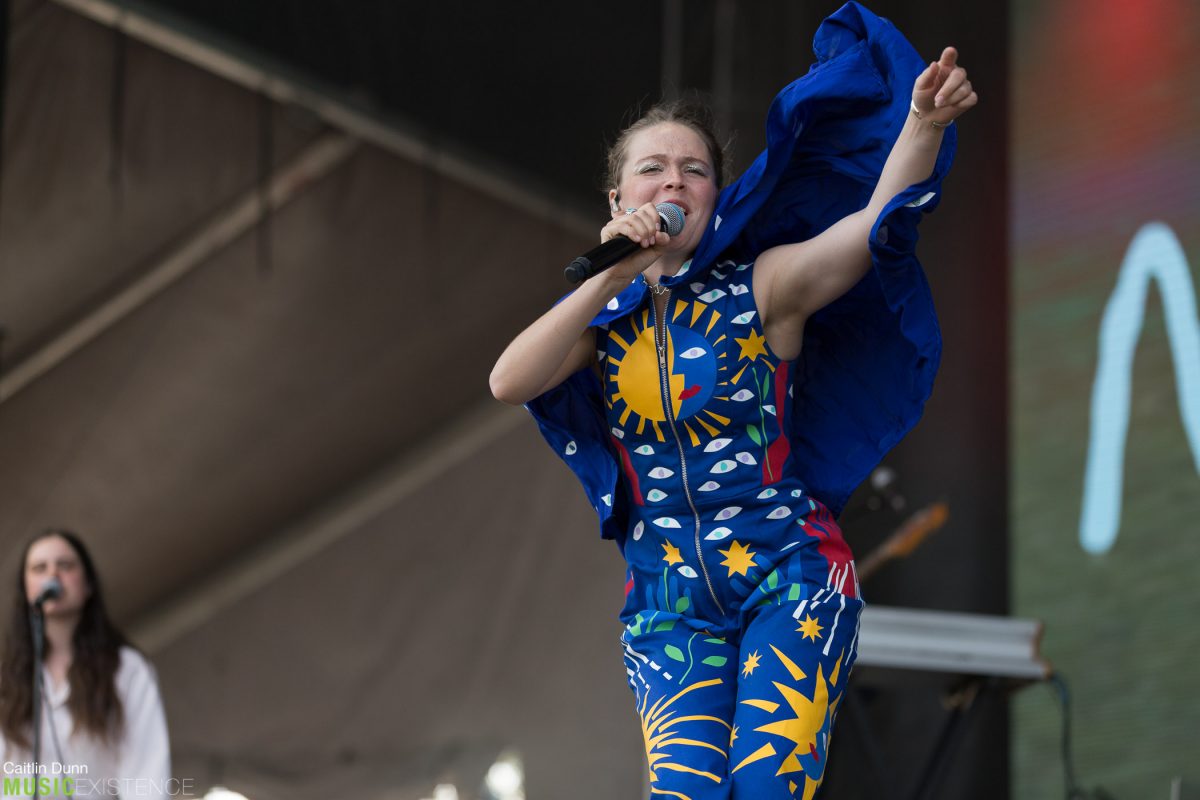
(672, 556)
(806, 730)
(751, 664)
(739, 559)
(810, 628)
(752, 346)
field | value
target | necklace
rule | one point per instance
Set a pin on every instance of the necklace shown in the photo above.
(656, 289)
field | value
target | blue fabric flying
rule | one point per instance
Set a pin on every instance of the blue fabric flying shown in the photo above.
(870, 357)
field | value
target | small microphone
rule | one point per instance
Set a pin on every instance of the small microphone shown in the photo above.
(603, 256)
(52, 589)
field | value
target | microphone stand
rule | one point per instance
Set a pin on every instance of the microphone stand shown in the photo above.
(37, 627)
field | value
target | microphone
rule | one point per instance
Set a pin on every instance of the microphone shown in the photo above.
(52, 589)
(603, 256)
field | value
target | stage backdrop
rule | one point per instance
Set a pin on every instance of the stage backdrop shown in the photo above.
(1106, 386)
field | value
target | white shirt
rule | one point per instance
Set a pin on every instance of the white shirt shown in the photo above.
(137, 764)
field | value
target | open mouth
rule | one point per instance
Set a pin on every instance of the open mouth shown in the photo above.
(681, 204)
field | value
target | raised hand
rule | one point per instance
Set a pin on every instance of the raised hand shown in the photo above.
(942, 92)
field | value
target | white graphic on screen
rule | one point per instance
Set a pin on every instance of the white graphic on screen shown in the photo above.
(1154, 253)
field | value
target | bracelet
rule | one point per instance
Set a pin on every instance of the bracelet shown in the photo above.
(938, 125)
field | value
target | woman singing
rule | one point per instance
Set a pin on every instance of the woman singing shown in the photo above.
(102, 722)
(721, 391)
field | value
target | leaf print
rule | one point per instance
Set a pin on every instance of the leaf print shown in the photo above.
(682, 605)
(715, 661)
(754, 434)
(673, 652)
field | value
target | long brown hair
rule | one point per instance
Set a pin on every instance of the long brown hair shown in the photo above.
(94, 703)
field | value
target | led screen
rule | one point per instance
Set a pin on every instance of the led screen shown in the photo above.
(1106, 387)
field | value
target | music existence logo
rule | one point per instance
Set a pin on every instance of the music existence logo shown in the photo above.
(24, 779)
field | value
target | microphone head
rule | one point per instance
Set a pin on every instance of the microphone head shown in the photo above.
(672, 218)
(52, 589)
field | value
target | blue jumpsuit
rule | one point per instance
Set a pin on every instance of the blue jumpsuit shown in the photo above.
(719, 469)
(742, 605)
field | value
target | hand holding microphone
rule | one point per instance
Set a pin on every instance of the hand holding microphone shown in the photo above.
(604, 255)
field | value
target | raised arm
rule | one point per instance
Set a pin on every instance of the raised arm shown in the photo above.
(792, 281)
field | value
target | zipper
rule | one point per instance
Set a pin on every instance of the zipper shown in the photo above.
(660, 344)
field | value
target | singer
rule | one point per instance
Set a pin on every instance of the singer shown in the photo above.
(720, 393)
(102, 721)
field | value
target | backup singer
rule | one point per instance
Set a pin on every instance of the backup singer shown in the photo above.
(102, 721)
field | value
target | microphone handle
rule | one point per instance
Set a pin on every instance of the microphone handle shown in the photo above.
(600, 258)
